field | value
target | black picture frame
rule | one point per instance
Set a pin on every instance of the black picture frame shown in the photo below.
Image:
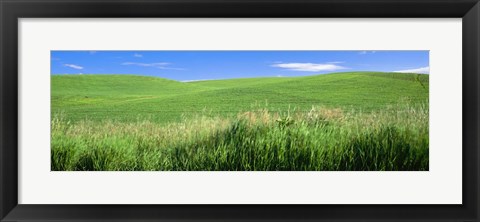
(12, 10)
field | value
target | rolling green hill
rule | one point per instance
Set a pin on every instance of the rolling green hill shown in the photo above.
(361, 121)
(131, 98)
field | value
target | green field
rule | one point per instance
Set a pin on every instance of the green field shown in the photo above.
(341, 121)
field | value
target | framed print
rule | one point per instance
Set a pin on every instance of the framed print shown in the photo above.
(224, 110)
(194, 110)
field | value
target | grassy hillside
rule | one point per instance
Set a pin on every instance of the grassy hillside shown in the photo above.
(321, 139)
(343, 121)
(129, 98)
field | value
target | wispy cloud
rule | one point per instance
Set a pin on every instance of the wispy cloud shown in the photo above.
(366, 52)
(73, 66)
(92, 52)
(137, 55)
(309, 67)
(422, 70)
(158, 65)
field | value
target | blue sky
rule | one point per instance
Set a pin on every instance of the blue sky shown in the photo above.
(201, 65)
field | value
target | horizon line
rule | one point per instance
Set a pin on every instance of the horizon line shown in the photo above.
(199, 80)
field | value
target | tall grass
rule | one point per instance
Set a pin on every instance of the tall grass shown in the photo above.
(319, 139)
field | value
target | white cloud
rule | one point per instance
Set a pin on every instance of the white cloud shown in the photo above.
(158, 65)
(423, 70)
(137, 55)
(366, 52)
(73, 66)
(309, 67)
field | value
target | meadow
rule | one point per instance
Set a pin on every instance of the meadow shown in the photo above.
(343, 121)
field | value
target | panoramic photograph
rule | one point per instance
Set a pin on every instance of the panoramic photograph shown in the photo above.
(358, 110)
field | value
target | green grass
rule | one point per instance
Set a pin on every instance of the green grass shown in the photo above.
(132, 98)
(348, 121)
(321, 139)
